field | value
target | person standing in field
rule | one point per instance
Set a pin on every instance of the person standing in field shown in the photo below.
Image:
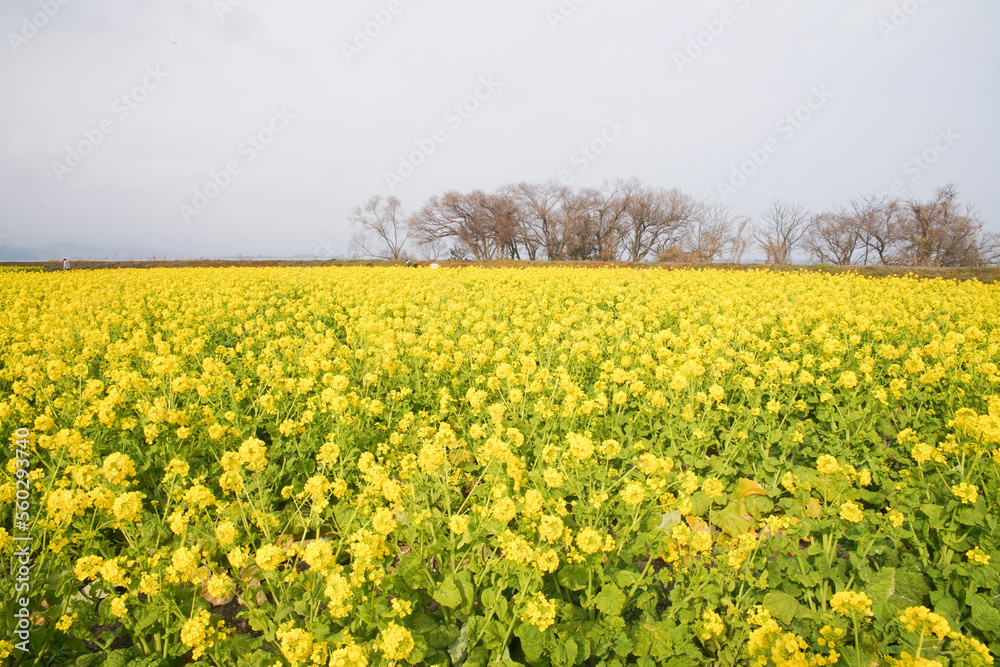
(65, 264)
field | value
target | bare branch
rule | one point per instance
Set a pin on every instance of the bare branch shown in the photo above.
(781, 228)
(383, 229)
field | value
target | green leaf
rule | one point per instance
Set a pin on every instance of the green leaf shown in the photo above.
(653, 639)
(122, 657)
(88, 660)
(343, 514)
(432, 658)
(573, 577)
(478, 658)
(489, 598)
(566, 652)
(434, 633)
(893, 590)
(532, 641)
(411, 569)
(984, 615)
(448, 594)
(610, 600)
(622, 645)
(681, 661)
(647, 601)
(948, 607)
(419, 651)
(970, 516)
(259, 658)
(457, 649)
(782, 606)
(700, 504)
(468, 591)
(625, 578)
(933, 513)
(861, 567)
(758, 506)
(872, 497)
(733, 520)
(493, 635)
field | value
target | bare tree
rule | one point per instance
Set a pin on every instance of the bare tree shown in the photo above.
(383, 228)
(740, 240)
(580, 224)
(989, 249)
(457, 217)
(712, 230)
(543, 222)
(939, 233)
(780, 230)
(610, 207)
(833, 238)
(655, 220)
(876, 218)
(624, 219)
(502, 218)
(433, 250)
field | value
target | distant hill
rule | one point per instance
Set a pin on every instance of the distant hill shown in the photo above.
(73, 251)
(79, 252)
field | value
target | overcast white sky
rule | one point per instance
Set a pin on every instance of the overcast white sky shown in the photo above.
(887, 79)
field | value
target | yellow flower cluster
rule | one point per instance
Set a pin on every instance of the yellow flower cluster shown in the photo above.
(922, 453)
(269, 557)
(296, 643)
(198, 633)
(589, 541)
(973, 651)
(847, 602)
(396, 642)
(921, 619)
(540, 612)
(827, 465)
(340, 595)
(633, 493)
(580, 446)
(459, 524)
(711, 626)
(895, 517)
(985, 428)
(965, 492)
(977, 555)
(849, 511)
(318, 432)
(349, 655)
(713, 488)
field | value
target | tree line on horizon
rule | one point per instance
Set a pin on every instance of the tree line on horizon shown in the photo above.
(626, 220)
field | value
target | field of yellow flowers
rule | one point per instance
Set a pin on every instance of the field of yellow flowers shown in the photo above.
(470, 467)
